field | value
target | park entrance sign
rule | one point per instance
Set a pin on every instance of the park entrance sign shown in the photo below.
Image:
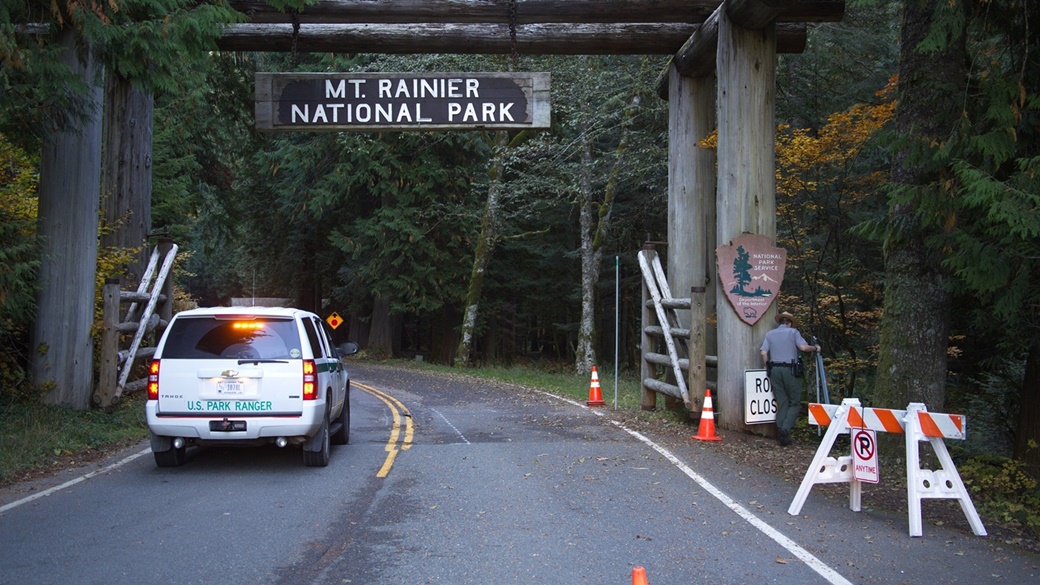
(287, 102)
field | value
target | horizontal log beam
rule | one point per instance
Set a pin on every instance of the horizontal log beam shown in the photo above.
(671, 303)
(696, 58)
(756, 14)
(126, 296)
(663, 388)
(658, 331)
(492, 39)
(533, 11)
(663, 360)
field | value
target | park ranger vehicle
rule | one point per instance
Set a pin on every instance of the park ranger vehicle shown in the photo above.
(248, 376)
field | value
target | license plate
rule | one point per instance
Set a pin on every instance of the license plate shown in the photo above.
(227, 426)
(230, 387)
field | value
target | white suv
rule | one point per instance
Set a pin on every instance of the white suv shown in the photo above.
(248, 376)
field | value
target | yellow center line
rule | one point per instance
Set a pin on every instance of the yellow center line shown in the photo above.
(399, 411)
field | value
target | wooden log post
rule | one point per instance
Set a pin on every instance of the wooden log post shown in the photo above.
(108, 368)
(697, 375)
(67, 224)
(165, 305)
(126, 177)
(746, 187)
(691, 186)
(646, 369)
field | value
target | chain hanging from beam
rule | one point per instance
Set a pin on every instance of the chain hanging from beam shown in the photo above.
(295, 37)
(514, 56)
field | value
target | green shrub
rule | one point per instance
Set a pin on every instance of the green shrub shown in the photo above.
(37, 436)
(1002, 489)
(18, 264)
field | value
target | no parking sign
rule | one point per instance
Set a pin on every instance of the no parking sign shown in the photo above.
(864, 455)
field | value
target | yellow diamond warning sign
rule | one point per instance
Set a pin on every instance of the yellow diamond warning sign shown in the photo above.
(334, 320)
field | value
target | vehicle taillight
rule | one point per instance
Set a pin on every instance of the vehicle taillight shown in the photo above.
(310, 379)
(153, 380)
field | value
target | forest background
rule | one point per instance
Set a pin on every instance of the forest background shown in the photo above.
(908, 153)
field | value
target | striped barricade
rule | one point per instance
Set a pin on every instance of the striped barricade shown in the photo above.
(886, 420)
(918, 425)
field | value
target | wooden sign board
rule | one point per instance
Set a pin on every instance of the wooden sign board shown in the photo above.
(751, 270)
(294, 102)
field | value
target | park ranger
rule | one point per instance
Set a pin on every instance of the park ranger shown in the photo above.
(780, 358)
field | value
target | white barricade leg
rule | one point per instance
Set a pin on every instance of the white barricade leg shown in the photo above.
(855, 489)
(944, 483)
(914, 481)
(827, 469)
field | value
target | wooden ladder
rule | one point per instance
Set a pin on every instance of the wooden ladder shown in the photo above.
(141, 319)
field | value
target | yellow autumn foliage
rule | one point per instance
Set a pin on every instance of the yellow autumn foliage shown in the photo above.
(806, 157)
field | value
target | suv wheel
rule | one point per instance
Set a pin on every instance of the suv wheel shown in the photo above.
(174, 457)
(342, 435)
(319, 458)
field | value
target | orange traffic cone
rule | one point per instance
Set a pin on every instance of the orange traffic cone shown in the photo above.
(706, 430)
(639, 576)
(595, 394)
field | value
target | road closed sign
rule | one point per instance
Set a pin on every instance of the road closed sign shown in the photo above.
(759, 403)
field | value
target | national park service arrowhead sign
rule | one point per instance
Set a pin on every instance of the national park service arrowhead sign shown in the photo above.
(751, 270)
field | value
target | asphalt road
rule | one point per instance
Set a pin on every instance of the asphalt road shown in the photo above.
(448, 480)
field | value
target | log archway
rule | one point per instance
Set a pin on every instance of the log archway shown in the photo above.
(721, 76)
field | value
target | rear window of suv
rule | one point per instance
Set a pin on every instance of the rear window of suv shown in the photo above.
(232, 338)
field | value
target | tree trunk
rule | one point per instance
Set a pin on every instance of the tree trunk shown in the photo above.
(445, 337)
(1027, 439)
(485, 250)
(308, 275)
(127, 170)
(70, 176)
(913, 338)
(585, 353)
(691, 214)
(381, 339)
(592, 241)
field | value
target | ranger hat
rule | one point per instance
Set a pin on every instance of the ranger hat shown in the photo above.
(794, 322)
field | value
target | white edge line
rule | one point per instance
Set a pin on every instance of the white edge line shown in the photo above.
(457, 431)
(72, 482)
(793, 547)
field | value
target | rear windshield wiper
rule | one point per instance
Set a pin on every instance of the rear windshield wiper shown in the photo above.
(260, 361)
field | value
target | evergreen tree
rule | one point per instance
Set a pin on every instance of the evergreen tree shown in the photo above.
(996, 244)
(913, 343)
(741, 271)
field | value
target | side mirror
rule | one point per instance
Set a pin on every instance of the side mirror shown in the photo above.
(348, 348)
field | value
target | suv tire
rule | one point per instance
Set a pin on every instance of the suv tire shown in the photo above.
(342, 435)
(319, 458)
(174, 457)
